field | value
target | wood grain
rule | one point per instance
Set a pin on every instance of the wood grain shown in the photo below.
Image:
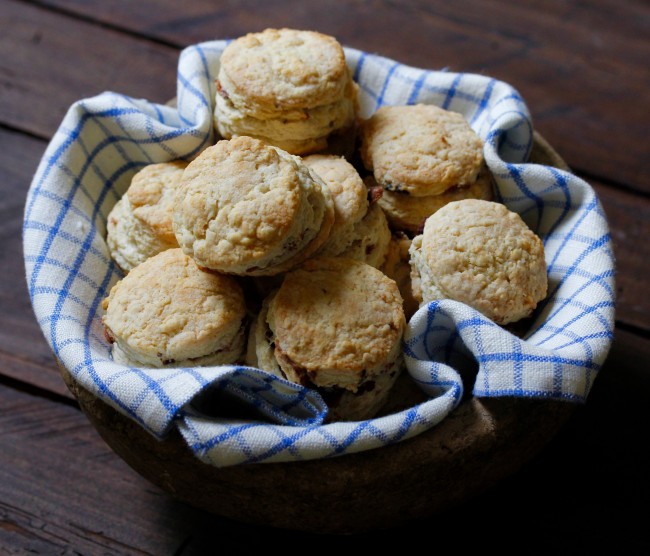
(50, 62)
(24, 354)
(581, 67)
(61, 488)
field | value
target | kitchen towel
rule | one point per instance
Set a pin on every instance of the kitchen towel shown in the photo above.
(104, 140)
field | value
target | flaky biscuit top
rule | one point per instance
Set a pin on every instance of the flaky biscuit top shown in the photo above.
(244, 206)
(482, 254)
(152, 193)
(420, 149)
(338, 320)
(140, 224)
(283, 70)
(168, 310)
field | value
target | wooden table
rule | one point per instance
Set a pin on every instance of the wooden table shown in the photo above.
(583, 70)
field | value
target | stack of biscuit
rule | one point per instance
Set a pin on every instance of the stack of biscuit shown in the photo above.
(397, 266)
(423, 157)
(269, 250)
(288, 87)
(245, 209)
(360, 229)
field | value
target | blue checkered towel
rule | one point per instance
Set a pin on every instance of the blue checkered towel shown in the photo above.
(104, 140)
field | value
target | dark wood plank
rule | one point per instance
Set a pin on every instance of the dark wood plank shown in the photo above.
(62, 490)
(50, 61)
(19, 371)
(582, 67)
(629, 219)
(24, 354)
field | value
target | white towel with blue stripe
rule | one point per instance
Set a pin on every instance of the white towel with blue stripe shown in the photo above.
(104, 140)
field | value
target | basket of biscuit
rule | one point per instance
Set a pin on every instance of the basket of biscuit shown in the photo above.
(318, 260)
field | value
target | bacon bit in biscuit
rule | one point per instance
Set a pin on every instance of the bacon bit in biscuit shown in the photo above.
(375, 193)
(220, 90)
(109, 337)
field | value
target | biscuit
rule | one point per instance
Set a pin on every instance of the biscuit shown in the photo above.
(369, 239)
(349, 195)
(167, 312)
(408, 213)
(335, 325)
(420, 149)
(288, 87)
(140, 224)
(251, 209)
(482, 254)
(297, 136)
(397, 266)
(283, 68)
(260, 348)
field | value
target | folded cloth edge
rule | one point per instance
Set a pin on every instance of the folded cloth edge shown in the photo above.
(392, 83)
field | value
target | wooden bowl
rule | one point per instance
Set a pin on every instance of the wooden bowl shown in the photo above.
(481, 442)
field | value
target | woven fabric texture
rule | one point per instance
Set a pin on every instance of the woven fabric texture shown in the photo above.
(104, 140)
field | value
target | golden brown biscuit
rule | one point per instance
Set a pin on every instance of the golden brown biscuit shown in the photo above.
(408, 213)
(349, 195)
(283, 69)
(288, 87)
(336, 325)
(247, 208)
(369, 239)
(167, 312)
(420, 149)
(482, 254)
(140, 224)
(398, 267)
(260, 348)
(309, 134)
